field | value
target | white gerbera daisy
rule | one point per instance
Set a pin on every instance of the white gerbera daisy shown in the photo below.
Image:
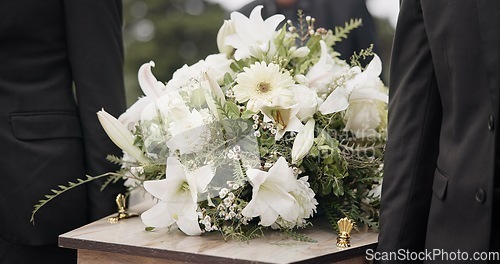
(264, 85)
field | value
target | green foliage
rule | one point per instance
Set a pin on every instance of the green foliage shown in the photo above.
(242, 233)
(357, 58)
(299, 237)
(343, 32)
(62, 189)
(344, 170)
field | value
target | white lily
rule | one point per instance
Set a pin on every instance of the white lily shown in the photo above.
(149, 84)
(178, 195)
(120, 135)
(214, 95)
(284, 119)
(152, 89)
(254, 35)
(363, 86)
(303, 141)
(270, 194)
(322, 73)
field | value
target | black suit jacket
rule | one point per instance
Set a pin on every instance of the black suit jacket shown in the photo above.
(328, 14)
(440, 157)
(50, 135)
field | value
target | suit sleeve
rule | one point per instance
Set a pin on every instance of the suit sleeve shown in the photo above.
(413, 136)
(94, 36)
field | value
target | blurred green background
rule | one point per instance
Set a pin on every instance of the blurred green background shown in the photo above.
(176, 32)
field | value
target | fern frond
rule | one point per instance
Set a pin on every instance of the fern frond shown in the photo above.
(62, 189)
(299, 237)
(108, 181)
(357, 58)
(114, 159)
(342, 32)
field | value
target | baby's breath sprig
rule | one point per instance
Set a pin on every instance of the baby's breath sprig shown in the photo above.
(357, 58)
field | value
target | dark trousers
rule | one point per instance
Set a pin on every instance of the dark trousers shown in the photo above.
(11, 253)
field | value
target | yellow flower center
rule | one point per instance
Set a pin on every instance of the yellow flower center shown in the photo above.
(263, 87)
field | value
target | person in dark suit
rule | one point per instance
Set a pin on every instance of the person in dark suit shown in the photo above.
(328, 14)
(441, 172)
(49, 131)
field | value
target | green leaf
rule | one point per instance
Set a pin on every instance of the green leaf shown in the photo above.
(247, 114)
(232, 110)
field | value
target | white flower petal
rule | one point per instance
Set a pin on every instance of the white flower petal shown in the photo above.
(254, 208)
(273, 198)
(189, 226)
(120, 135)
(217, 66)
(303, 141)
(368, 94)
(256, 178)
(214, 96)
(253, 36)
(286, 206)
(264, 85)
(226, 29)
(307, 101)
(201, 177)
(133, 113)
(158, 216)
(157, 188)
(282, 175)
(268, 217)
(337, 101)
(300, 52)
(273, 21)
(150, 86)
(374, 68)
(294, 124)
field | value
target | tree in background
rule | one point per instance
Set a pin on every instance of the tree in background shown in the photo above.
(169, 32)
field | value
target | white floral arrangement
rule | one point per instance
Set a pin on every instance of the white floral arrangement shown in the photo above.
(264, 134)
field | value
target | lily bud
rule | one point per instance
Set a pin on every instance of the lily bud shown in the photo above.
(303, 141)
(226, 30)
(120, 135)
(300, 52)
(214, 95)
